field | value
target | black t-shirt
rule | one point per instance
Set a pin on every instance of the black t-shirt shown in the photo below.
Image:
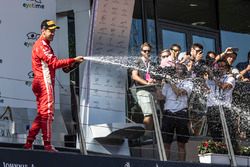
(141, 67)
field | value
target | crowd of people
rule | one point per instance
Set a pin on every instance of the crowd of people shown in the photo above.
(179, 70)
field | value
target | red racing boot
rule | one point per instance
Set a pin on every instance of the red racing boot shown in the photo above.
(50, 148)
(28, 146)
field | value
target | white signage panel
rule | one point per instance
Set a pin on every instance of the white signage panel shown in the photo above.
(19, 28)
(103, 86)
(103, 96)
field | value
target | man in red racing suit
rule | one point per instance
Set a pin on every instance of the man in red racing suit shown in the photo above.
(44, 65)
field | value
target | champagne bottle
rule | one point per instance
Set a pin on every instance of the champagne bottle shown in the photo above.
(71, 67)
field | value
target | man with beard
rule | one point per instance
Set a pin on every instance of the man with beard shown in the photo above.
(142, 77)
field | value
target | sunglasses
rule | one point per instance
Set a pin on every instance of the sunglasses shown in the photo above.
(145, 51)
(175, 50)
(198, 50)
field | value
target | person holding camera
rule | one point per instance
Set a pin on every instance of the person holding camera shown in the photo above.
(244, 68)
(176, 50)
(230, 55)
(210, 59)
(221, 86)
(193, 57)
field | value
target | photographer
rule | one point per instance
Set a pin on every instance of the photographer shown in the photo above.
(221, 86)
(229, 55)
(193, 59)
(244, 68)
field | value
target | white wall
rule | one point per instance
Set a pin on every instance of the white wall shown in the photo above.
(19, 29)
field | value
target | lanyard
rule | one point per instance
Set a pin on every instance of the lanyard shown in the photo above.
(217, 89)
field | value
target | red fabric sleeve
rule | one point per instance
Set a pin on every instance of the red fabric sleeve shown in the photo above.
(47, 55)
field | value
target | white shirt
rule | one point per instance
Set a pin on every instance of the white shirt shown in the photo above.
(215, 92)
(174, 103)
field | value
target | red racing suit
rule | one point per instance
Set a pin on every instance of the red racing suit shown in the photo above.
(44, 65)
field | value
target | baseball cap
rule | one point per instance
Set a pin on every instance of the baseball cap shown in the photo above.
(49, 24)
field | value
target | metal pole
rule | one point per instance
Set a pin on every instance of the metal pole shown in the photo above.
(81, 137)
(160, 145)
(227, 137)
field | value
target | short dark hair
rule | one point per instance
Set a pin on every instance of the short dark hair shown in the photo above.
(175, 45)
(198, 45)
(210, 52)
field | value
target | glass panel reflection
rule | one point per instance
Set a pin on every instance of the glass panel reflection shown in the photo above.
(152, 37)
(208, 43)
(135, 37)
(171, 37)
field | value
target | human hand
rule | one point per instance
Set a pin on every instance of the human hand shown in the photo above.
(245, 80)
(79, 59)
(185, 58)
(228, 50)
(151, 81)
(199, 56)
(248, 68)
(206, 76)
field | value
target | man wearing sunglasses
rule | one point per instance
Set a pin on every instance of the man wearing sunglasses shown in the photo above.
(175, 50)
(164, 54)
(142, 77)
(196, 59)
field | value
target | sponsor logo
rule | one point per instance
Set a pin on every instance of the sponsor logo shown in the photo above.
(30, 74)
(33, 4)
(31, 38)
(7, 164)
